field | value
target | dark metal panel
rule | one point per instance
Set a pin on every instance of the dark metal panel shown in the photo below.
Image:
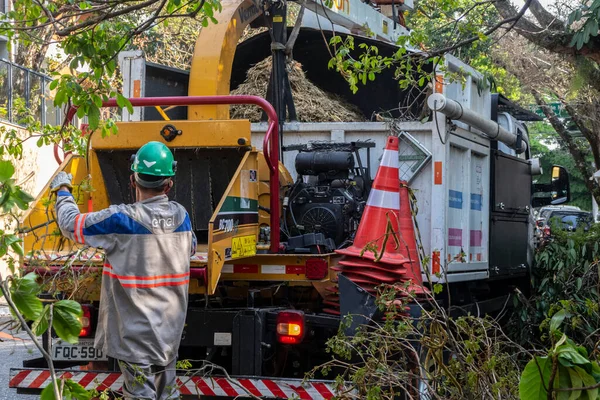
(165, 81)
(508, 246)
(510, 201)
(248, 331)
(511, 184)
(221, 171)
(116, 169)
(201, 325)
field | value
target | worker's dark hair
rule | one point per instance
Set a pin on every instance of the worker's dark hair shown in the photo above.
(151, 181)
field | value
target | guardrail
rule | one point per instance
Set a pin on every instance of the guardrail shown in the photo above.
(22, 87)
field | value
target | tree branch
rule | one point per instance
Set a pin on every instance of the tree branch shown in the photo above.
(550, 37)
(514, 19)
(94, 20)
(591, 137)
(546, 18)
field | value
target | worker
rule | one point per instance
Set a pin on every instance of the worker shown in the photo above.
(145, 276)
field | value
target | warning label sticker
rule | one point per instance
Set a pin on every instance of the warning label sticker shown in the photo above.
(243, 246)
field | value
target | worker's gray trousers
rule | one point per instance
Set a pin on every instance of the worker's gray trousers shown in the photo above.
(142, 381)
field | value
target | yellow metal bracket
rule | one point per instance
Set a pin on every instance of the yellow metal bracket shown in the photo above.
(162, 113)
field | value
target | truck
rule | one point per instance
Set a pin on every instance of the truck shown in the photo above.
(272, 202)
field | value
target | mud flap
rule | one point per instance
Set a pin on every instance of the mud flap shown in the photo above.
(233, 228)
(357, 302)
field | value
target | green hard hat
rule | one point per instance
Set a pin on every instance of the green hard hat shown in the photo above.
(154, 158)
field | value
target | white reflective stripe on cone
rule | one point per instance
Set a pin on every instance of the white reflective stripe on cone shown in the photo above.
(384, 199)
(390, 159)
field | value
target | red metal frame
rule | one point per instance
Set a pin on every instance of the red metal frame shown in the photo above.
(270, 142)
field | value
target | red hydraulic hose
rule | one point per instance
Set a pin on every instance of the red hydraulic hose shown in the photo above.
(270, 142)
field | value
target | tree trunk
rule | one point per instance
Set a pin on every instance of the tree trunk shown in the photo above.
(592, 137)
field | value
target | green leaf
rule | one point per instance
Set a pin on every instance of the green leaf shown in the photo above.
(120, 100)
(93, 116)
(129, 106)
(576, 382)
(557, 319)
(596, 371)
(77, 391)
(24, 195)
(48, 393)
(40, 325)
(531, 386)
(13, 241)
(24, 292)
(562, 380)
(22, 199)
(66, 321)
(7, 170)
(81, 112)
(60, 98)
(588, 380)
(568, 356)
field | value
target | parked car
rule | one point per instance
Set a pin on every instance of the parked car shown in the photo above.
(541, 216)
(565, 220)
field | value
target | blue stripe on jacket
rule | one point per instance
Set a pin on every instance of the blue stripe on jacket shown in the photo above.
(185, 226)
(118, 223)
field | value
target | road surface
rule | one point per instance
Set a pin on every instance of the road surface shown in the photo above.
(14, 348)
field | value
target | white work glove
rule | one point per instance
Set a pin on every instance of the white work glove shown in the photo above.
(62, 179)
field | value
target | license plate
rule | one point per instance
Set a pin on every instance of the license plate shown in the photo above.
(82, 351)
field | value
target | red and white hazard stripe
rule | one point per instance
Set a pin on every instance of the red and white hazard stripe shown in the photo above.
(79, 225)
(195, 385)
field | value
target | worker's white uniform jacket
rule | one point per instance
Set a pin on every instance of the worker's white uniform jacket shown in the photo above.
(145, 276)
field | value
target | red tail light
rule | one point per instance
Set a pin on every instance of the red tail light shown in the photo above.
(86, 321)
(290, 327)
(547, 231)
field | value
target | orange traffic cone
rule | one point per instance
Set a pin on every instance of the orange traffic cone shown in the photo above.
(409, 242)
(380, 217)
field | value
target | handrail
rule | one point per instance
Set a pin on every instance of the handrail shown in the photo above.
(270, 142)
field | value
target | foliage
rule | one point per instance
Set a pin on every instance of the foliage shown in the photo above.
(170, 44)
(458, 27)
(91, 34)
(584, 20)
(71, 390)
(565, 279)
(567, 370)
(21, 291)
(433, 353)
